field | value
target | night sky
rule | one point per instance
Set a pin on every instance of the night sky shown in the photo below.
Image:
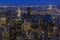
(29, 2)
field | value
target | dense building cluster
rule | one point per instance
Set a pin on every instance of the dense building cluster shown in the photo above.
(18, 24)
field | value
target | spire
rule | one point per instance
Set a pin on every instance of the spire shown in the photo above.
(18, 12)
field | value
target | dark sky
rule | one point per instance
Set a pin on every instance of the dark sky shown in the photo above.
(29, 2)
